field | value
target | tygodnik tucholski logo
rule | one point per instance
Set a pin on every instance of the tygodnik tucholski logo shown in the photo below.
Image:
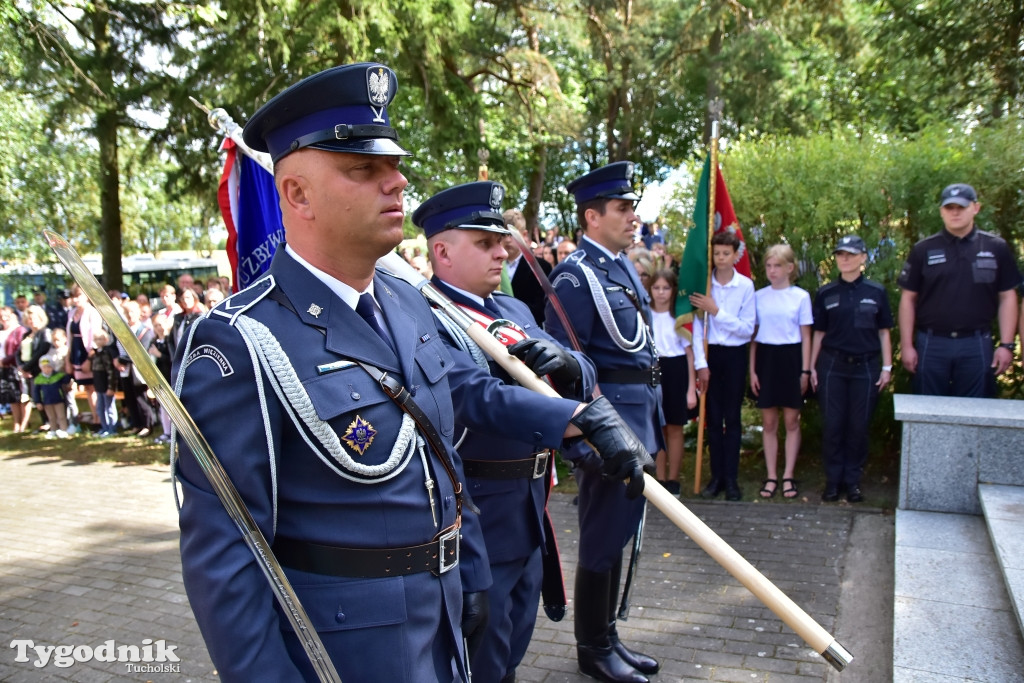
(152, 656)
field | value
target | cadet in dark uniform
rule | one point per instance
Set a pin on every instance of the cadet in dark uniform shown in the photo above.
(510, 429)
(851, 362)
(955, 283)
(610, 311)
(336, 475)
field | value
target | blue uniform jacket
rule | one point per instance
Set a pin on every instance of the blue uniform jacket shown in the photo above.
(373, 629)
(508, 422)
(638, 404)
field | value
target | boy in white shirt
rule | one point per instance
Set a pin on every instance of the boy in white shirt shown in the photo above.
(730, 324)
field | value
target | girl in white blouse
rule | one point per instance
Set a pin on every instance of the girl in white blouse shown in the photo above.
(679, 394)
(780, 362)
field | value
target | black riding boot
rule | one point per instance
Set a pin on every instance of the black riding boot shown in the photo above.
(595, 653)
(639, 661)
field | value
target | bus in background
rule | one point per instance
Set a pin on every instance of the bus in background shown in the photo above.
(143, 274)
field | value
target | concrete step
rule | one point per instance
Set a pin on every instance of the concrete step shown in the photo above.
(952, 617)
(1003, 507)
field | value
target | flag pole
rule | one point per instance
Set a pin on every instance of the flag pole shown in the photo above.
(716, 109)
(222, 122)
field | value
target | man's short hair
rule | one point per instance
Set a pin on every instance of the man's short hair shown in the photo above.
(599, 204)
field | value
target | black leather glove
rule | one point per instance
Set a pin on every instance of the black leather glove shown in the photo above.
(475, 612)
(622, 452)
(549, 358)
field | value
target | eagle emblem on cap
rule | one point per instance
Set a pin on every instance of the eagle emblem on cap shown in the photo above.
(629, 171)
(497, 194)
(378, 85)
(359, 435)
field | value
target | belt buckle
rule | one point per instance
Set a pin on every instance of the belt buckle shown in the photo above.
(442, 544)
(655, 375)
(540, 464)
(954, 334)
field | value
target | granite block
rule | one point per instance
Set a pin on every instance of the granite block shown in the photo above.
(939, 469)
(926, 574)
(986, 412)
(962, 533)
(931, 644)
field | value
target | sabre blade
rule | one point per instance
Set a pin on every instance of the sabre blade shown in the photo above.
(204, 455)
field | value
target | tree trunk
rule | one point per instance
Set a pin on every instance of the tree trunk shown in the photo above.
(110, 200)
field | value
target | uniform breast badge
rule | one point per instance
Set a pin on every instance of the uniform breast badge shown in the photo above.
(314, 310)
(359, 435)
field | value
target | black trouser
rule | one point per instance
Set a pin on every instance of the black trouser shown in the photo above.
(140, 411)
(847, 395)
(728, 368)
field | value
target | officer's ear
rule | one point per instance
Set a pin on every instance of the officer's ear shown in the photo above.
(438, 251)
(293, 190)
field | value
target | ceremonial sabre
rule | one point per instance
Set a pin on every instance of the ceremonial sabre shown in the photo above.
(734, 563)
(222, 485)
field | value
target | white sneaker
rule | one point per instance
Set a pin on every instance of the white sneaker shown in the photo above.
(49, 435)
(72, 429)
(61, 434)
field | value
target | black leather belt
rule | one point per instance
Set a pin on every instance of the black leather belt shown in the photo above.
(651, 376)
(534, 468)
(853, 359)
(437, 557)
(957, 334)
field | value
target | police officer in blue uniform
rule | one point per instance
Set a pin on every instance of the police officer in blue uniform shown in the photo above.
(340, 480)
(509, 430)
(851, 362)
(954, 284)
(610, 311)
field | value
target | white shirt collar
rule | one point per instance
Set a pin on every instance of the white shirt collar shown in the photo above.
(468, 295)
(347, 294)
(602, 248)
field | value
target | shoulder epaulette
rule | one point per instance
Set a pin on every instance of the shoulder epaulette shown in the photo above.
(239, 303)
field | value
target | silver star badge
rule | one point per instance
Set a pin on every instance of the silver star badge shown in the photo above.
(314, 310)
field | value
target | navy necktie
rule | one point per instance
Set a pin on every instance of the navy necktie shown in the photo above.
(492, 307)
(367, 310)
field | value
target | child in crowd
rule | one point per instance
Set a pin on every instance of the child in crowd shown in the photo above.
(105, 379)
(678, 383)
(780, 363)
(58, 356)
(723, 373)
(851, 362)
(52, 385)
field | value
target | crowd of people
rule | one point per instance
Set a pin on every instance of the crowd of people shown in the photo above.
(56, 352)
(400, 476)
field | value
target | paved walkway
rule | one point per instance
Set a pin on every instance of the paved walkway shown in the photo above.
(88, 554)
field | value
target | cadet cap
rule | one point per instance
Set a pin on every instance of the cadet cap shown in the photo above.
(960, 194)
(342, 109)
(472, 206)
(851, 244)
(614, 181)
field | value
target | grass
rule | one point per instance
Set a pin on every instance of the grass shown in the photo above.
(81, 448)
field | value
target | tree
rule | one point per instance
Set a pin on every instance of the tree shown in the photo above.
(96, 66)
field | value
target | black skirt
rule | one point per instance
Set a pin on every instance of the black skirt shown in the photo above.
(675, 382)
(778, 371)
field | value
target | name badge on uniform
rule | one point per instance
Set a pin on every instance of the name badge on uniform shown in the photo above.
(936, 257)
(831, 302)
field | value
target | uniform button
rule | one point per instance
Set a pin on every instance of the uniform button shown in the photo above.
(442, 364)
(356, 396)
(447, 502)
(340, 616)
(413, 389)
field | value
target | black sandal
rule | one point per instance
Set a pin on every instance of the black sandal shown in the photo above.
(792, 491)
(770, 492)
